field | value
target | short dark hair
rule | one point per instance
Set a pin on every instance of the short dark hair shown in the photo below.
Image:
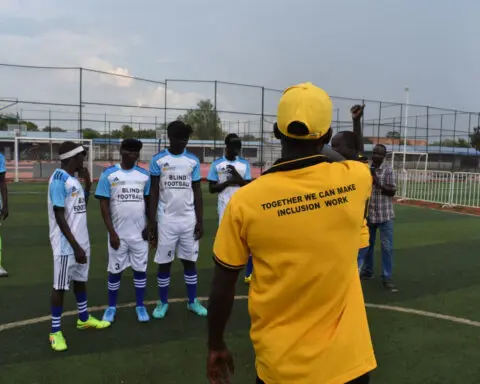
(350, 140)
(179, 127)
(133, 145)
(381, 146)
(230, 137)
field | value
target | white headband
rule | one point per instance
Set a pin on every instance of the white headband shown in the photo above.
(72, 153)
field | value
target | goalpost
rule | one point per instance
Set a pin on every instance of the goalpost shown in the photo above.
(42, 148)
(413, 160)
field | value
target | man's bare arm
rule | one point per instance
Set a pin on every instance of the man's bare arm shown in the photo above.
(153, 201)
(198, 201)
(64, 228)
(220, 305)
(215, 187)
(107, 218)
(357, 113)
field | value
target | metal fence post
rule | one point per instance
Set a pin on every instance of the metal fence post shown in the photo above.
(262, 130)
(164, 118)
(452, 188)
(215, 85)
(80, 120)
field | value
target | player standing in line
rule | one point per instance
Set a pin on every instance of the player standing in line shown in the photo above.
(227, 174)
(123, 191)
(350, 145)
(4, 206)
(67, 216)
(176, 203)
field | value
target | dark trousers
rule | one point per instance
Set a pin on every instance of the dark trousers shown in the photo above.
(365, 379)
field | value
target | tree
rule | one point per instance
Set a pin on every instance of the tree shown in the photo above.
(53, 129)
(249, 137)
(459, 143)
(89, 134)
(393, 135)
(205, 121)
(475, 138)
(7, 119)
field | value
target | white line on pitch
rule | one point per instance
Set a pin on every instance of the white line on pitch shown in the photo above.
(411, 311)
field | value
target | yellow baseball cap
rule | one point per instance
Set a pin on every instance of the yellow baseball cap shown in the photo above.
(307, 104)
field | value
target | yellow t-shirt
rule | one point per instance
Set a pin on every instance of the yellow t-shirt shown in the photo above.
(364, 235)
(364, 232)
(300, 222)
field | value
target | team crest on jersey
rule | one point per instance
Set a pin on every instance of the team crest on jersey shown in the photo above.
(223, 170)
(167, 167)
(74, 192)
(115, 181)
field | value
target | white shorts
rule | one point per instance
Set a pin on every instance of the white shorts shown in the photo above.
(176, 239)
(132, 253)
(66, 269)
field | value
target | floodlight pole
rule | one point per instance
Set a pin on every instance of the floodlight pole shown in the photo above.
(405, 129)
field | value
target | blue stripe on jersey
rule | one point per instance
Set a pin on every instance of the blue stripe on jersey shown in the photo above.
(191, 156)
(154, 168)
(3, 168)
(196, 176)
(61, 175)
(142, 170)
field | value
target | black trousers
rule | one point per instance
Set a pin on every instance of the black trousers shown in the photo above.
(365, 379)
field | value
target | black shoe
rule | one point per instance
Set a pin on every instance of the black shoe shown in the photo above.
(366, 275)
(389, 286)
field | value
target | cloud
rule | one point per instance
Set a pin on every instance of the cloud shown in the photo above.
(59, 86)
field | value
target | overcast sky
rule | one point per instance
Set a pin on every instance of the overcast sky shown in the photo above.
(353, 48)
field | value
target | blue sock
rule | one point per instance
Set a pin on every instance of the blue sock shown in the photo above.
(190, 277)
(249, 268)
(82, 305)
(113, 287)
(163, 282)
(140, 283)
(56, 319)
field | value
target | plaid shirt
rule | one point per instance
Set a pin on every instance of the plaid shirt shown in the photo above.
(380, 209)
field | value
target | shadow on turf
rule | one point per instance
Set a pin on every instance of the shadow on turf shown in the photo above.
(30, 343)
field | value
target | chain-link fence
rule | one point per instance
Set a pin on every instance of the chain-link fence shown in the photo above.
(85, 103)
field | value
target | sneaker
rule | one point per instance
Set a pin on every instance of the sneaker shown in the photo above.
(109, 314)
(160, 310)
(142, 314)
(57, 342)
(247, 279)
(197, 308)
(389, 286)
(3, 272)
(92, 322)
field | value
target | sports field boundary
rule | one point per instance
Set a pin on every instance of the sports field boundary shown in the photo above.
(410, 311)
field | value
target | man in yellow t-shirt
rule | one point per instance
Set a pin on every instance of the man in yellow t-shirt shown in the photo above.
(300, 220)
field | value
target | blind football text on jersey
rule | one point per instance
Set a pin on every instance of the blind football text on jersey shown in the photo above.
(126, 190)
(220, 173)
(65, 191)
(177, 173)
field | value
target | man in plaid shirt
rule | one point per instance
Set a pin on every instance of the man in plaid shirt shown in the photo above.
(381, 216)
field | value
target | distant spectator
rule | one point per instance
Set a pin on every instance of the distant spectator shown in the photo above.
(380, 217)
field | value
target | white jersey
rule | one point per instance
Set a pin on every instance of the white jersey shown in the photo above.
(177, 173)
(126, 190)
(66, 192)
(219, 173)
